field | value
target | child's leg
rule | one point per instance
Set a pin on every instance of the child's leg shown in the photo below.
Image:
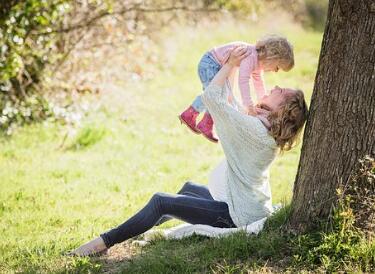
(189, 209)
(198, 104)
(207, 69)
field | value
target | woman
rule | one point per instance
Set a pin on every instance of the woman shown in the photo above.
(238, 192)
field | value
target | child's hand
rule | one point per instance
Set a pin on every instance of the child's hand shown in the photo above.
(237, 55)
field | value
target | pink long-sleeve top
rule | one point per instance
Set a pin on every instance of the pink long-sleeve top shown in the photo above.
(249, 69)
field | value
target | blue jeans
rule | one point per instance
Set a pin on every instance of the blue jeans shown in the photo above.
(207, 69)
(193, 204)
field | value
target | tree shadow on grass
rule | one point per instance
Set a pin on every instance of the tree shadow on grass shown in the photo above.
(200, 254)
(195, 254)
(159, 256)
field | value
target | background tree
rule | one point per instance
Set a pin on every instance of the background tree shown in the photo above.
(341, 126)
(43, 45)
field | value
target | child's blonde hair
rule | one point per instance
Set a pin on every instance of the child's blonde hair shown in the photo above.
(287, 122)
(276, 48)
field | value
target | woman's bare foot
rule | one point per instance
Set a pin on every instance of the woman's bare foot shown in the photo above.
(94, 247)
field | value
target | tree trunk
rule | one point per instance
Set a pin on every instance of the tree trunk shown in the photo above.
(341, 126)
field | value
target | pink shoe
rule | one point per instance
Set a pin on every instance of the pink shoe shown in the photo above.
(189, 117)
(205, 127)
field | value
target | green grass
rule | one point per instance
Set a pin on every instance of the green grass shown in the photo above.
(86, 137)
(55, 198)
(199, 254)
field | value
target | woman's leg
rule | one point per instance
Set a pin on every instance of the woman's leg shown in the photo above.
(186, 208)
(189, 189)
(195, 190)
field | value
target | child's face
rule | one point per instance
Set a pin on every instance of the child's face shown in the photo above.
(267, 65)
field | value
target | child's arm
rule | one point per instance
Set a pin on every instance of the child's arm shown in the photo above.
(258, 84)
(231, 125)
(246, 67)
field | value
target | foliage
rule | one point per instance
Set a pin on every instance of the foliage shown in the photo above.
(38, 37)
(332, 250)
(347, 240)
(24, 54)
(16, 112)
(53, 199)
(316, 12)
(87, 136)
(311, 13)
(244, 7)
(359, 195)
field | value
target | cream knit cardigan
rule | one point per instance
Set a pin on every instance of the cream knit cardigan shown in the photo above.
(249, 151)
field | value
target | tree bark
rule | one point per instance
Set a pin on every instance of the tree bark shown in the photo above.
(341, 125)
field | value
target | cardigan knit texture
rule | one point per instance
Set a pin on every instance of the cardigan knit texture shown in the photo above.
(249, 151)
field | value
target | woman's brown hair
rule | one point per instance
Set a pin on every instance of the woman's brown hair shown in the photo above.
(287, 122)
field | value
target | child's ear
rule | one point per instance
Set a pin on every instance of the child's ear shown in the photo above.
(261, 50)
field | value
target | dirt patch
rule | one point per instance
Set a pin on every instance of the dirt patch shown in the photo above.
(117, 256)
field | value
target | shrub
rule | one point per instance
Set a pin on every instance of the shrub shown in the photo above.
(346, 243)
(24, 55)
(87, 136)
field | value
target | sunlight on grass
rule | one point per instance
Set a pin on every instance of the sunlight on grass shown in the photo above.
(87, 136)
(52, 199)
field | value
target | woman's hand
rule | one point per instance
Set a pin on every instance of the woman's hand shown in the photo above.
(251, 111)
(237, 55)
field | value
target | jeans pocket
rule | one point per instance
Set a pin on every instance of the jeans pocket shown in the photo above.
(211, 73)
(203, 74)
(207, 74)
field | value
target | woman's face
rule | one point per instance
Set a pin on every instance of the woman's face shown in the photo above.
(276, 97)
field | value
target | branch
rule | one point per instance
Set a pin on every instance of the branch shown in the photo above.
(66, 54)
(91, 21)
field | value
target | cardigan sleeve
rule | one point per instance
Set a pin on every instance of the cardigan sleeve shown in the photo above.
(230, 123)
(244, 139)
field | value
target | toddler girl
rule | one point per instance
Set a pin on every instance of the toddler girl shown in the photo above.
(268, 54)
